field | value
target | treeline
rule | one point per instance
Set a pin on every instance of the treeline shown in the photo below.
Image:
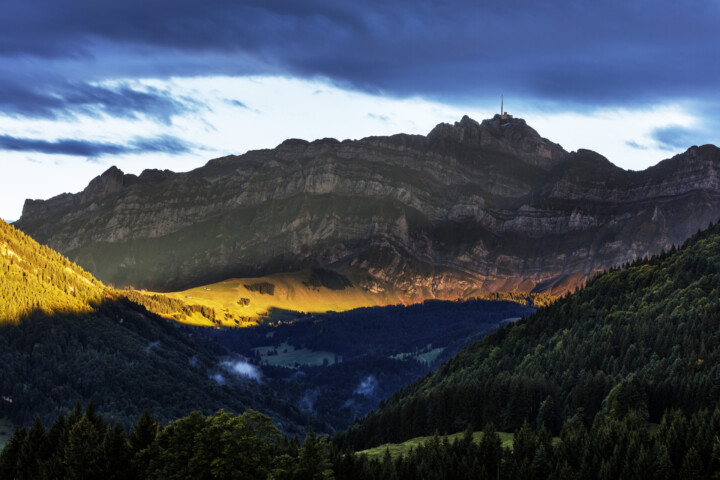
(225, 446)
(643, 338)
(34, 278)
(170, 307)
(84, 446)
(611, 449)
(180, 310)
(531, 299)
(264, 288)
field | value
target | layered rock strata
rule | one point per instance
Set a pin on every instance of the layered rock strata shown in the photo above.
(469, 208)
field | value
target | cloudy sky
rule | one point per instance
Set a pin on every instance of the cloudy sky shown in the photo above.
(86, 84)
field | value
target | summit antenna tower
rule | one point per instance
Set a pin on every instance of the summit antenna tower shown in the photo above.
(503, 114)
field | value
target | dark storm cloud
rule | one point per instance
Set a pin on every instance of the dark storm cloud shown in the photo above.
(577, 51)
(92, 150)
(53, 98)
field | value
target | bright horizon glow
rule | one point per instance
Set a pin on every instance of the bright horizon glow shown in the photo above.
(232, 115)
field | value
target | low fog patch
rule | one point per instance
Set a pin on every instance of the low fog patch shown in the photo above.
(219, 379)
(297, 376)
(242, 368)
(367, 386)
(150, 346)
(307, 401)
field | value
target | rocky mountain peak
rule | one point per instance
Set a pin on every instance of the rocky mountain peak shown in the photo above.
(703, 151)
(511, 135)
(466, 131)
(111, 181)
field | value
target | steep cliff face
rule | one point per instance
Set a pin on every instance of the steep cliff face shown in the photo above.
(469, 208)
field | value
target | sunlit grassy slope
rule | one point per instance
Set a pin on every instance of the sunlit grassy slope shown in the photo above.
(246, 301)
(34, 277)
(255, 298)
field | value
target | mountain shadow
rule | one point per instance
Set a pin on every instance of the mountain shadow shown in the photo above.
(127, 360)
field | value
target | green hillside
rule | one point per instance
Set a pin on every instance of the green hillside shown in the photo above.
(36, 278)
(64, 338)
(645, 338)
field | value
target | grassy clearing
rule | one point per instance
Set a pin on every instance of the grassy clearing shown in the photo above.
(289, 356)
(6, 431)
(429, 357)
(398, 449)
(424, 357)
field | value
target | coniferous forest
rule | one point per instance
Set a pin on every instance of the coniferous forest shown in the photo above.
(84, 445)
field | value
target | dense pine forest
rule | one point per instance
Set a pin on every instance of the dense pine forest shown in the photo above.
(127, 360)
(642, 339)
(224, 446)
(85, 446)
(35, 278)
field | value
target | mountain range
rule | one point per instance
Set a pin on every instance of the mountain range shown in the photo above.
(468, 209)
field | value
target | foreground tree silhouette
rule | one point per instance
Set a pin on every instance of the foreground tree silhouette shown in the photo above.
(313, 461)
(9, 454)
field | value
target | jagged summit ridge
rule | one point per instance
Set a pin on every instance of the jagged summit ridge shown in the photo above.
(471, 207)
(513, 135)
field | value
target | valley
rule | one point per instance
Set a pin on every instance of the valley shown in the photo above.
(272, 240)
(339, 366)
(71, 332)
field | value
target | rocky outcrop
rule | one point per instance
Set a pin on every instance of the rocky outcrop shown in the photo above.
(469, 208)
